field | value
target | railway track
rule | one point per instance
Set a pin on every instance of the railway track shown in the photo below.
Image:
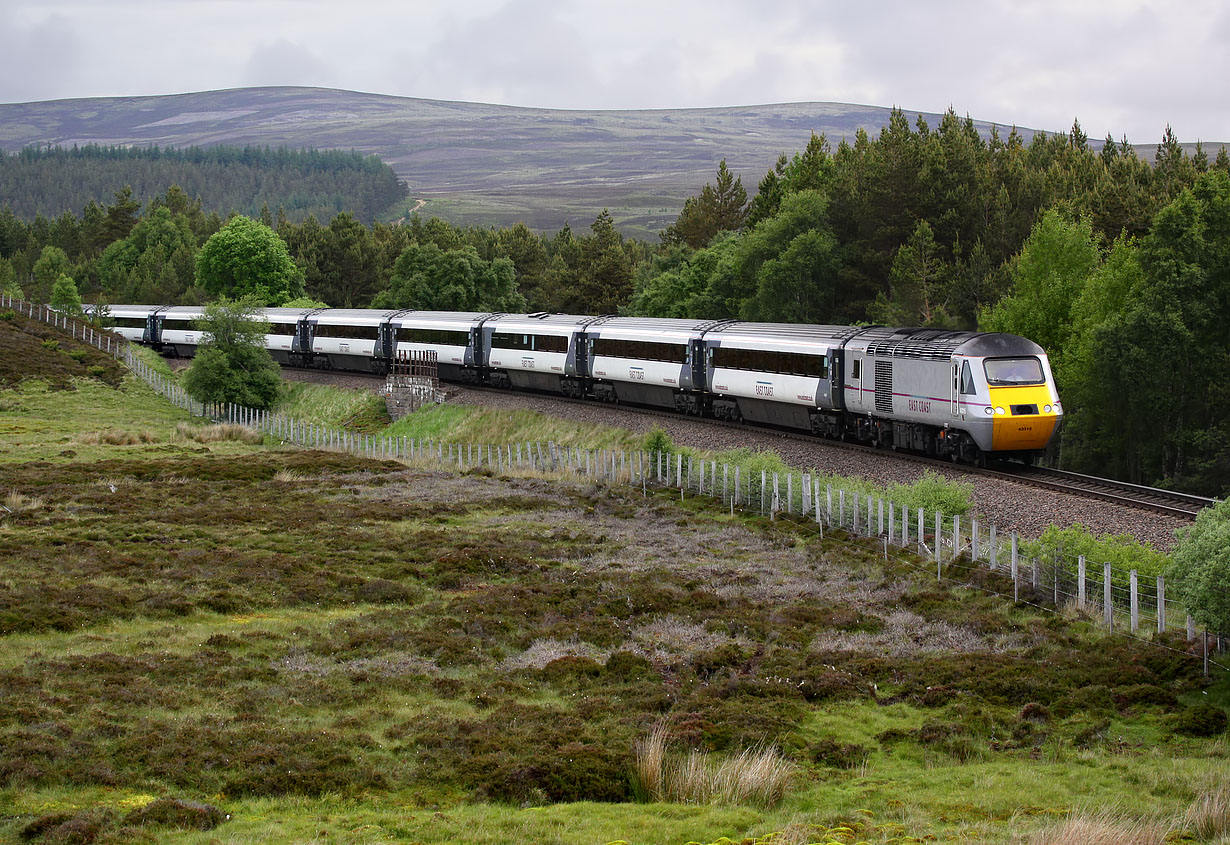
(1183, 506)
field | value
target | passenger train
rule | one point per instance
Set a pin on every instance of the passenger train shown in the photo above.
(955, 394)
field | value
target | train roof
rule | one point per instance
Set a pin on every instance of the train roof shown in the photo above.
(650, 328)
(285, 315)
(352, 316)
(780, 334)
(125, 310)
(941, 344)
(540, 321)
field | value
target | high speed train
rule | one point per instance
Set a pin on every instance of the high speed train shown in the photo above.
(956, 394)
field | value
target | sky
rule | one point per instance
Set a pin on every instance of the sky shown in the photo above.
(1123, 67)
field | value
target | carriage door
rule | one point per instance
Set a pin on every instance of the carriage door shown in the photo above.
(954, 386)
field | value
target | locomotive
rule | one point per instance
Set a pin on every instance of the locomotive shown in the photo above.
(961, 395)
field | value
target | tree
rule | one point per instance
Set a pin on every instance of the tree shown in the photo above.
(716, 209)
(8, 280)
(64, 296)
(247, 260)
(51, 264)
(1200, 569)
(232, 364)
(918, 281)
(429, 278)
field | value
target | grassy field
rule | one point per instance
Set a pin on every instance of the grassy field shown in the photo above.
(287, 645)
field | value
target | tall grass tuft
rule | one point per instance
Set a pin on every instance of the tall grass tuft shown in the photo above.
(116, 438)
(1103, 828)
(756, 776)
(1209, 816)
(15, 502)
(218, 433)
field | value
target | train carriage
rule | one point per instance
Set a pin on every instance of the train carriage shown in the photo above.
(455, 337)
(347, 338)
(177, 334)
(777, 374)
(131, 322)
(538, 351)
(285, 340)
(648, 361)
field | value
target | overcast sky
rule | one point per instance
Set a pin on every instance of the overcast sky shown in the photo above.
(1120, 66)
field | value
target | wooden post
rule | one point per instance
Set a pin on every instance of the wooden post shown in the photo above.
(1161, 605)
(828, 490)
(1108, 598)
(880, 516)
(856, 512)
(735, 500)
(841, 507)
(939, 540)
(1134, 598)
(1080, 582)
(1016, 583)
(892, 520)
(921, 534)
(974, 537)
(905, 526)
(1191, 629)
(789, 492)
(956, 535)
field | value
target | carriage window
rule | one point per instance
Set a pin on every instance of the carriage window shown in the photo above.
(967, 380)
(282, 328)
(438, 337)
(854, 372)
(537, 342)
(791, 363)
(673, 353)
(353, 332)
(129, 322)
(1007, 372)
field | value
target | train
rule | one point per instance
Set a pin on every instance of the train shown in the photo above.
(962, 395)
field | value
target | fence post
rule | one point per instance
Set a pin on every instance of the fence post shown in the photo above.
(939, 541)
(841, 507)
(905, 526)
(892, 520)
(974, 538)
(956, 535)
(857, 510)
(922, 535)
(790, 492)
(776, 504)
(815, 500)
(1108, 598)
(1016, 584)
(1080, 582)
(880, 516)
(1191, 629)
(869, 511)
(735, 499)
(1161, 605)
(1134, 597)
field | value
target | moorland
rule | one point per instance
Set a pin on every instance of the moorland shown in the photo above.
(206, 629)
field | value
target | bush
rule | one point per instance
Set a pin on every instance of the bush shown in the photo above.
(1201, 567)
(1119, 550)
(657, 440)
(1201, 720)
(933, 492)
(232, 365)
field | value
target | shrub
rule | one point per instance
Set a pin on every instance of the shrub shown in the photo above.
(839, 755)
(757, 776)
(1202, 719)
(1119, 550)
(7, 315)
(657, 440)
(51, 344)
(172, 812)
(933, 492)
(1201, 567)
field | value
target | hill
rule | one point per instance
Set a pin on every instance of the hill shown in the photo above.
(470, 162)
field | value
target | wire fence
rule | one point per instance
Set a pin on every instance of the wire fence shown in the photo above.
(1122, 600)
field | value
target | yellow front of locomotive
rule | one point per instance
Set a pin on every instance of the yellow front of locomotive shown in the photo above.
(1024, 404)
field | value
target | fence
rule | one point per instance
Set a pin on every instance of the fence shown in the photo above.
(1123, 600)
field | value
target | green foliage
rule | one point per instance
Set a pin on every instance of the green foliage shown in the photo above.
(1200, 571)
(8, 280)
(1119, 550)
(232, 364)
(51, 265)
(247, 260)
(934, 492)
(715, 209)
(919, 284)
(1048, 279)
(304, 302)
(427, 277)
(657, 440)
(48, 181)
(1202, 719)
(64, 296)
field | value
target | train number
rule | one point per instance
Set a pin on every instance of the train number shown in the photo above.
(636, 375)
(764, 389)
(922, 406)
(527, 363)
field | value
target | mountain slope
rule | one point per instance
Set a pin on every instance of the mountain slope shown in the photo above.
(473, 162)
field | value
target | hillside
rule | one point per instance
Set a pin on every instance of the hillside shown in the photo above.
(288, 644)
(53, 180)
(473, 163)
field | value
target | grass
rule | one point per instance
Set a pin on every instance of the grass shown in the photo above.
(333, 406)
(324, 646)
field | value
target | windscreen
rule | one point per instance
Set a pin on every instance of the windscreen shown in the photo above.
(1003, 372)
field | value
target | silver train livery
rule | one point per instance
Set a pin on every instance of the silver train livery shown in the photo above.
(956, 394)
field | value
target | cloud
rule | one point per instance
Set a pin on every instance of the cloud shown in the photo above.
(285, 63)
(39, 60)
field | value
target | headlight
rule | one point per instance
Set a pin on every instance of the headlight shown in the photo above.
(999, 409)
(987, 410)
(1046, 409)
